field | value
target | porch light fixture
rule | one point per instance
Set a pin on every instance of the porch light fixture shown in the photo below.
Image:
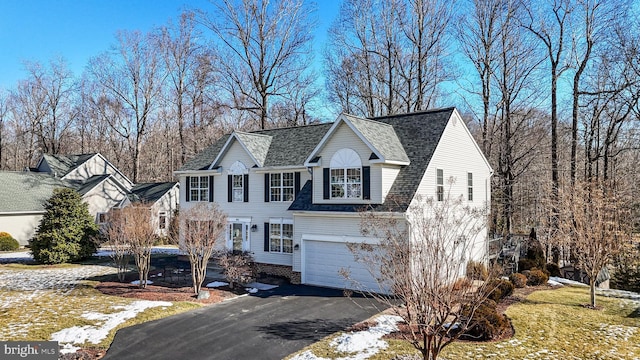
(296, 247)
(254, 228)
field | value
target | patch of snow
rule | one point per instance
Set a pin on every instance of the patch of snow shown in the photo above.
(554, 283)
(307, 355)
(216, 284)
(107, 322)
(364, 344)
(69, 349)
(622, 294)
(16, 256)
(251, 290)
(261, 286)
(137, 282)
(566, 281)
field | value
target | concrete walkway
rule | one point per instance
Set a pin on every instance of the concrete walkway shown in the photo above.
(268, 325)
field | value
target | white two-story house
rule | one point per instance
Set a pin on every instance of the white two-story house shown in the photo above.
(293, 195)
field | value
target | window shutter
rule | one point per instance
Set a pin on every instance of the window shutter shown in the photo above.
(210, 188)
(366, 182)
(325, 183)
(245, 182)
(296, 183)
(266, 187)
(267, 230)
(229, 188)
(188, 187)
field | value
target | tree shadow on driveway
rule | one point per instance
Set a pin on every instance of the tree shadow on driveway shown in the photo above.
(314, 329)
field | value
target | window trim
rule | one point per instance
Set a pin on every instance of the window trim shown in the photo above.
(470, 186)
(280, 223)
(201, 186)
(281, 187)
(235, 188)
(344, 183)
(101, 218)
(439, 184)
(162, 220)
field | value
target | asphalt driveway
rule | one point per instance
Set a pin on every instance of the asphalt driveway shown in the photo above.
(268, 325)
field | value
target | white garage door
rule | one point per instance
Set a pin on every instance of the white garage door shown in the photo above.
(323, 261)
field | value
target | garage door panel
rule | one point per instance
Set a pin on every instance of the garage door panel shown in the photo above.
(325, 259)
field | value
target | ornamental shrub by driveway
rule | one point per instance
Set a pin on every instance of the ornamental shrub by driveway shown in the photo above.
(66, 232)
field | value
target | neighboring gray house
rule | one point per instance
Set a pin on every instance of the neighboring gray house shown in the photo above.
(292, 195)
(101, 185)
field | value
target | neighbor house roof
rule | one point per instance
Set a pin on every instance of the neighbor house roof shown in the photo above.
(150, 192)
(61, 165)
(419, 134)
(86, 186)
(26, 191)
(287, 146)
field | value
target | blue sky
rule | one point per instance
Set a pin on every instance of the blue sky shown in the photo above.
(40, 30)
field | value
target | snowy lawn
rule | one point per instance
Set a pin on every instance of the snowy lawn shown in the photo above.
(58, 303)
(549, 324)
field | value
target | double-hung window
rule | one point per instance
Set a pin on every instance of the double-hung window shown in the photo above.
(281, 186)
(199, 188)
(470, 186)
(162, 220)
(281, 236)
(440, 184)
(238, 188)
(346, 183)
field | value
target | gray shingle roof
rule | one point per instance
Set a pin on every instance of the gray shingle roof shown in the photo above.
(84, 187)
(61, 165)
(289, 147)
(382, 136)
(150, 192)
(256, 144)
(419, 134)
(26, 191)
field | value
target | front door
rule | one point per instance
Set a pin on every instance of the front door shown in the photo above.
(238, 236)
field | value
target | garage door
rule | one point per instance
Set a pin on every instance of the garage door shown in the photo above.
(323, 261)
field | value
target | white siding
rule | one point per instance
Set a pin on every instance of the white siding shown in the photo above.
(104, 196)
(167, 203)
(256, 209)
(387, 176)
(457, 154)
(22, 227)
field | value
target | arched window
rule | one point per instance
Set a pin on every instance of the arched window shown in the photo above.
(346, 175)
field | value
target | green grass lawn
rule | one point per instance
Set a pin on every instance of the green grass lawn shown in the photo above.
(549, 324)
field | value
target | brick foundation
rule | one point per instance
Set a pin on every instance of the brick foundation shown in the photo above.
(280, 270)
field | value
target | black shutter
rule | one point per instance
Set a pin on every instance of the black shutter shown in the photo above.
(296, 183)
(229, 188)
(266, 187)
(366, 182)
(210, 188)
(188, 190)
(325, 183)
(267, 230)
(246, 187)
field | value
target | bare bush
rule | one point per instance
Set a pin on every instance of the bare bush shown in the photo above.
(420, 262)
(203, 225)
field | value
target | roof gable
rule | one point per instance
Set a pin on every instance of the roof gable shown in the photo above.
(62, 165)
(289, 147)
(379, 137)
(256, 145)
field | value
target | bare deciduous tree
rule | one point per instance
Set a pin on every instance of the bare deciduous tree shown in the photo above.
(421, 262)
(118, 243)
(202, 227)
(595, 223)
(268, 48)
(131, 79)
(133, 225)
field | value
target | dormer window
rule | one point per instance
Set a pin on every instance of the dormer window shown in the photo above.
(346, 175)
